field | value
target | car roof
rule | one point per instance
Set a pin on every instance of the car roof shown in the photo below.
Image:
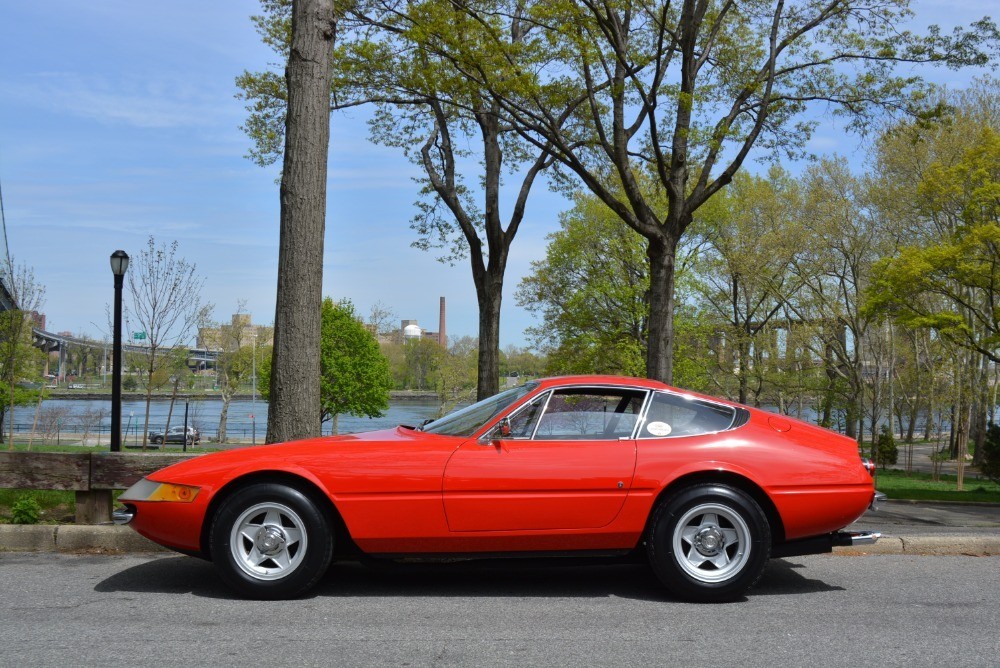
(626, 381)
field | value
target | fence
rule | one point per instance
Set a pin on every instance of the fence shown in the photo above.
(71, 433)
(92, 475)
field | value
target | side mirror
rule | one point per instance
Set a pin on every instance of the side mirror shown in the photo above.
(501, 430)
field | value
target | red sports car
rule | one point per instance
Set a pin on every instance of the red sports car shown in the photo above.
(707, 488)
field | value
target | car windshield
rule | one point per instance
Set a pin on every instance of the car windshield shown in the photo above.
(468, 420)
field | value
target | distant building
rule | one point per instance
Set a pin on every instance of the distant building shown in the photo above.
(240, 332)
(411, 329)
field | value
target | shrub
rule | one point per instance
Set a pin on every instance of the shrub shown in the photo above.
(129, 384)
(886, 452)
(991, 453)
(25, 510)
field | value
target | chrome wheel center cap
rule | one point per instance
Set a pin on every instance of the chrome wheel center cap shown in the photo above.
(269, 540)
(709, 541)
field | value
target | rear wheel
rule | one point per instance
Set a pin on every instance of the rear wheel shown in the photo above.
(709, 543)
(270, 541)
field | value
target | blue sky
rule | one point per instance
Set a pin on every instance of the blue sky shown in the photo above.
(118, 120)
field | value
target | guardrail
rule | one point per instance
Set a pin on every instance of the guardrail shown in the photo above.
(92, 475)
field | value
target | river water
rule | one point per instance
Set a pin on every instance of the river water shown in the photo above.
(70, 415)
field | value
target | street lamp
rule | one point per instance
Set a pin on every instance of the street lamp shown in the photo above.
(119, 264)
(253, 394)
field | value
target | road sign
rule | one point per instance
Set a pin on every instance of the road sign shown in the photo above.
(138, 336)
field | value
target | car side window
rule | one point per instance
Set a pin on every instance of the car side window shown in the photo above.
(674, 415)
(590, 414)
(522, 423)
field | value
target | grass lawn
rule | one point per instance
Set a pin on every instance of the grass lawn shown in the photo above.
(57, 507)
(919, 486)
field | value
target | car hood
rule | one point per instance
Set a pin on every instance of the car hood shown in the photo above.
(372, 447)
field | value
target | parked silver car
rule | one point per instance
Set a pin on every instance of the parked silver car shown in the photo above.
(175, 435)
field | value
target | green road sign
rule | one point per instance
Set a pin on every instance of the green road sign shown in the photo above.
(138, 336)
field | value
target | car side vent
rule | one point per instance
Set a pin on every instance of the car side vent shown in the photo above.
(741, 418)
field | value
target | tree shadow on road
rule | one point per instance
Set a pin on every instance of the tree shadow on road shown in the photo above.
(514, 578)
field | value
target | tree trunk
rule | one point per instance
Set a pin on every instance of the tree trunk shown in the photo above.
(744, 347)
(224, 418)
(977, 432)
(170, 410)
(660, 352)
(851, 418)
(489, 295)
(149, 401)
(295, 410)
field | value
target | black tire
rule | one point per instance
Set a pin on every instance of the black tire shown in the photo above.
(156, 440)
(708, 543)
(270, 541)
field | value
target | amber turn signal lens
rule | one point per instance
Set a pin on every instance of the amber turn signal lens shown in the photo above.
(148, 490)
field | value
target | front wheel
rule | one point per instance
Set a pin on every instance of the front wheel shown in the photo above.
(270, 541)
(709, 543)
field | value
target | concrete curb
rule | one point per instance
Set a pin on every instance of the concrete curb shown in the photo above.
(73, 538)
(102, 539)
(970, 546)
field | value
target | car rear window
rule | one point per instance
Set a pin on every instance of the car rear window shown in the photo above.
(672, 415)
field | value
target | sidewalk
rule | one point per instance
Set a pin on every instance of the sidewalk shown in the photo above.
(907, 528)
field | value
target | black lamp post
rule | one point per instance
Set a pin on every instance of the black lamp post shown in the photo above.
(119, 264)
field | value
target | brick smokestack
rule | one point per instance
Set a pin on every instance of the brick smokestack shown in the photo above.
(442, 334)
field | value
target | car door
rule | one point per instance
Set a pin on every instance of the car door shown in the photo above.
(567, 464)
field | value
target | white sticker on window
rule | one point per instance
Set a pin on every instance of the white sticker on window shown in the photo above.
(658, 428)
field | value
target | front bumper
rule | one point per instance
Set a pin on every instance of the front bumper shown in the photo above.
(122, 515)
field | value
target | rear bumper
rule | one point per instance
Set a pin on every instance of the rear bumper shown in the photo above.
(850, 538)
(825, 543)
(878, 499)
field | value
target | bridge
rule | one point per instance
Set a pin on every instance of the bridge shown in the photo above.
(50, 342)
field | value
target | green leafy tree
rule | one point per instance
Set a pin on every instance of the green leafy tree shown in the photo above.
(426, 107)
(949, 281)
(264, 355)
(750, 234)
(961, 268)
(237, 343)
(354, 376)
(589, 293)
(885, 452)
(621, 93)
(235, 368)
(422, 359)
(523, 362)
(456, 372)
(20, 362)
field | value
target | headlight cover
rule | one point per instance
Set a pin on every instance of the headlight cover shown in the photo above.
(148, 490)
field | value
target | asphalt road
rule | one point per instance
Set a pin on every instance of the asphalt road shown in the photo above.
(78, 610)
